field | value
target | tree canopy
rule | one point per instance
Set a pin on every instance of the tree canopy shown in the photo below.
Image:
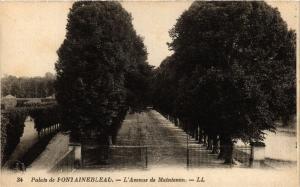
(234, 68)
(98, 60)
(28, 87)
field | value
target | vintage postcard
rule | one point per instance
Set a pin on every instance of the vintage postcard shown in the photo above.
(149, 93)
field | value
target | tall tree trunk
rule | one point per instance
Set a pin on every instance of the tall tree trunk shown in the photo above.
(196, 133)
(221, 154)
(209, 143)
(285, 120)
(193, 131)
(205, 139)
(215, 145)
(200, 136)
(104, 141)
(228, 151)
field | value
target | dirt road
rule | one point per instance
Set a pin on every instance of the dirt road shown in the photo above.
(166, 144)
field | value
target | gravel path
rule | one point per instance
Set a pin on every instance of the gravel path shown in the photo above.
(166, 144)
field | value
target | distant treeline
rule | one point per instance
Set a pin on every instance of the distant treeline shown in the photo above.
(28, 87)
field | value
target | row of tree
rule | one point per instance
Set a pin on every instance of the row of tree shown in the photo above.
(101, 71)
(28, 87)
(232, 73)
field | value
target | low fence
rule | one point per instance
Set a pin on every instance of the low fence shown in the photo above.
(120, 157)
(66, 163)
(140, 157)
(203, 158)
(242, 155)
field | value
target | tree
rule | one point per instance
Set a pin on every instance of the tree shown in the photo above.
(28, 87)
(138, 75)
(164, 89)
(237, 69)
(94, 64)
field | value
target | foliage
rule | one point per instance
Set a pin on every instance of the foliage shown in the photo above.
(165, 86)
(12, 125)
(25, 87)
(234, 66)
(99, 61)
(45, 116)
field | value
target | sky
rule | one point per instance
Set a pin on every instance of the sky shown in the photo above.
(31, 32)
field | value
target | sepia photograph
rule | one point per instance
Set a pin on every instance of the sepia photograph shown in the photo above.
(149, 93)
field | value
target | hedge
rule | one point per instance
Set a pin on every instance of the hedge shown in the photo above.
(12, 125)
